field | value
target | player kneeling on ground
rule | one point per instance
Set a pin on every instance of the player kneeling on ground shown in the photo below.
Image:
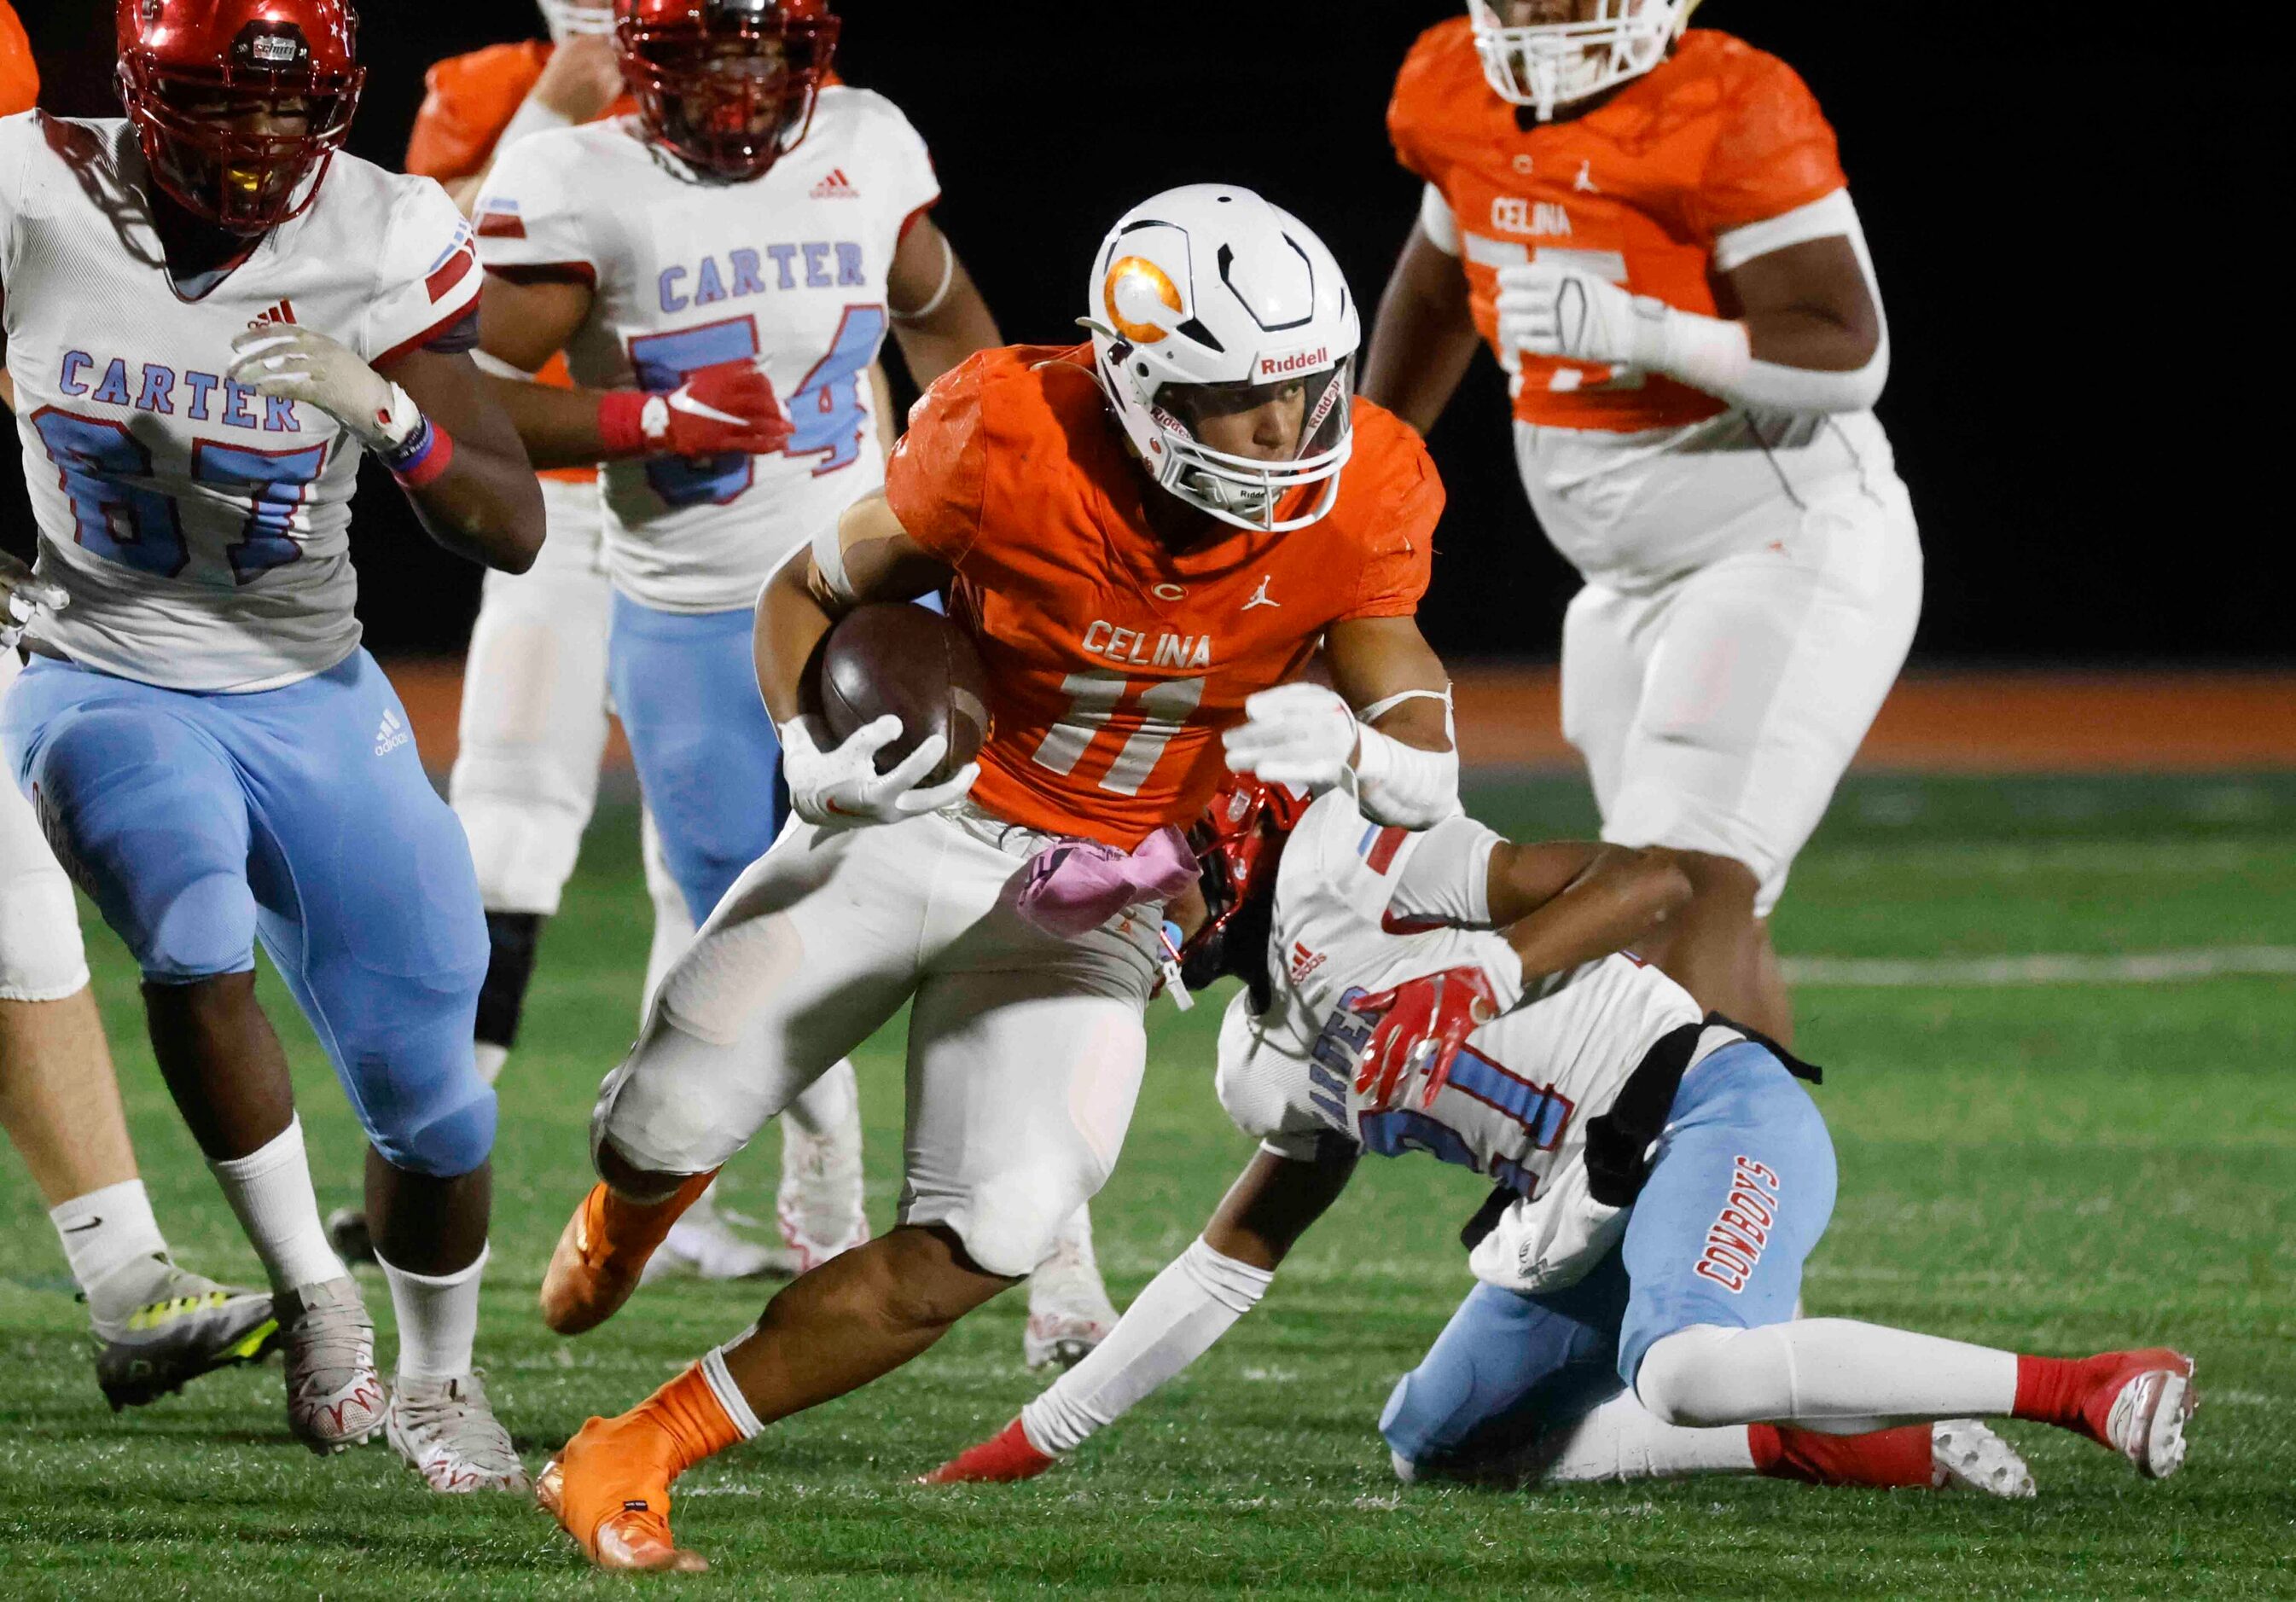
(1661, 1179)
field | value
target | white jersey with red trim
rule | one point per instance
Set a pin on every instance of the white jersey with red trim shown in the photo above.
(788, 270)
(1358, 908)
(201, 530)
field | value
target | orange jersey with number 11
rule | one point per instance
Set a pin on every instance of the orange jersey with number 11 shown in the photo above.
(1114, 662)
(1636, 191)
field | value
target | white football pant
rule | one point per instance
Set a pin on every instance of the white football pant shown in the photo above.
(41, 957)
(1718, 707)
(1025, 1053)
(534, 712)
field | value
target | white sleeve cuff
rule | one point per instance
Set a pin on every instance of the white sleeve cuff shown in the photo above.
(1822, 218)
(1435, 221)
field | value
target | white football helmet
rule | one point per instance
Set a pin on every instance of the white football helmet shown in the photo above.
(567, 18)
(1207, 301)
(1546, 65)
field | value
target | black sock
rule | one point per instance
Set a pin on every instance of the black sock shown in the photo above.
(512, 938)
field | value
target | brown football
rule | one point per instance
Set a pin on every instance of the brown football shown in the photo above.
(902, 658)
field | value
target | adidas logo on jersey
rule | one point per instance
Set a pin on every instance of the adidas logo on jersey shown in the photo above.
(392, 733)
(284, 312)
(1304, 962)
(837, 186)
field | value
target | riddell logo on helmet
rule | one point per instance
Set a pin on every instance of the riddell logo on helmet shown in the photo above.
(1299, 361)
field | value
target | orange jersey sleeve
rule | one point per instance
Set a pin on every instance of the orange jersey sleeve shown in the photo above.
(19, 75)
(1773, 151)
(468, 101)
(1114, 659)
(933, 477)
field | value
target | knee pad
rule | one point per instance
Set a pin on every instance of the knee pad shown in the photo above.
(1009, 1224)
(511, 940)
(41, 957)
(444, 1130)
(1684, 1377)
(522, 851)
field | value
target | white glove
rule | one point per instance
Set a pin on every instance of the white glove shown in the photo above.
(23, 597)
(1557, 311)
(293, 363)
(841, 787)
(1299, 734)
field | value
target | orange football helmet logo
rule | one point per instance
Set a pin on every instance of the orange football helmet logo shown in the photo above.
(1134, 289)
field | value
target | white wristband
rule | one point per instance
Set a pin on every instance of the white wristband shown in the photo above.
(1402, 785)
(1717, 354)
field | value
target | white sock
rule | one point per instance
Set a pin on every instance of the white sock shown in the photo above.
(437, 1319)
(270, 1190)
(729, 1394)
(1835, 1376)
(103, 1230)
(490, 1059)
(1621, 1441)
(1191, 1304)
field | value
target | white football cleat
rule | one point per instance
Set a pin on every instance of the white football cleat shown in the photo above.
(334, 1395)
(447, 1432)
(1068, 1310)
(1966, 1455)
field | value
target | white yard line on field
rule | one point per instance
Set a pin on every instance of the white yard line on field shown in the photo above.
(2044, 968)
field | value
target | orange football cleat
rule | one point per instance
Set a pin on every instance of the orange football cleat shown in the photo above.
(603, 1249)
(608, 1488)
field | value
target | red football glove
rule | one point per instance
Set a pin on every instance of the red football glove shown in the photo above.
(1422, 1022)
(1005, 1456)
(726, 410)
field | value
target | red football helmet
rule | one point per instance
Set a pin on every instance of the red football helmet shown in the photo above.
(240, 104)
(1238, 841)
(727, 85)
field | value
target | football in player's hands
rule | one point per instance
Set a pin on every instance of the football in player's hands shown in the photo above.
(899, 659)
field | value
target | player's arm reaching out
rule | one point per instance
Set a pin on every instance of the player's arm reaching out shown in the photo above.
(1553, 905)
(427, 417)
(867, 556)
(527, 315)
(1196, 1300)
(1383, 731)
(938, 316)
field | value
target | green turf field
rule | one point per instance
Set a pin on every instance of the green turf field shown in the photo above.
(2061, 1167)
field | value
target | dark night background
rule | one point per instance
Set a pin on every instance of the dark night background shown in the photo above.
(2059, 214)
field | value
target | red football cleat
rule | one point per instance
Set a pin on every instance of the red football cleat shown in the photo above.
(2138, 1407)
(1005, 1456)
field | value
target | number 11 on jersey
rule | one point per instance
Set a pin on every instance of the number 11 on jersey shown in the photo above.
(1164, 707)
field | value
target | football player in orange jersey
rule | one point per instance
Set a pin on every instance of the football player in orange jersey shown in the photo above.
(1146, 537)
(157, 1326)
(1651, 229)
